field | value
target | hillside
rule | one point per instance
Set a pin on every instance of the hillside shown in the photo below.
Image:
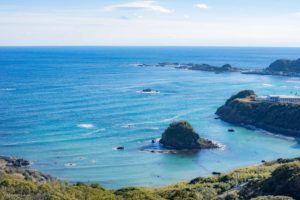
(263, 181)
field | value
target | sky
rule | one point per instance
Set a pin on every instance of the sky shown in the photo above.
(150, 23)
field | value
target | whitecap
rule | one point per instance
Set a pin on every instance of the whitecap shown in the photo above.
(70, 165)
(127, 126)
(220, 145)
(154, 128)
(85, 125)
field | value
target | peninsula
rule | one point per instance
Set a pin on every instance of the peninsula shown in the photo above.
(275, 113)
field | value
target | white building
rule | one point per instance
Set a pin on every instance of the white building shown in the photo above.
(279, 99)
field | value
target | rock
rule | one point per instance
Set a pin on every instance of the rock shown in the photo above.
(149, 90)
(216, 173)
(231, 130)
(181, 135)
(15, 162)
(120, 148)
(153, 141)
(241, 95)
(166, 64)
(284, 65)
(227, 67)
(21, 163)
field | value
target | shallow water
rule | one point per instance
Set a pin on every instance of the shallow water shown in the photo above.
(67, 108)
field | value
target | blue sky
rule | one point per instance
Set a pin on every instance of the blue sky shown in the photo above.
(144, 22)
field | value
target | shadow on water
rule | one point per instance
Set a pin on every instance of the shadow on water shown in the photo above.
(297, 144)
(158, 148)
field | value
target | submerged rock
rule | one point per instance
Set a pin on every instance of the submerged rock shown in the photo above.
(181, 135)
(120, 148)
(149, 90)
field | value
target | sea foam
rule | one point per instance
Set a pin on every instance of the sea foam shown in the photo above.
(85, 125)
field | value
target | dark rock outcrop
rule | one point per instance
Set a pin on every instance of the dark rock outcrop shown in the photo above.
(285, 66)
(181, 135)
(274, 117)
(281, 67)
(149, 90)
(197, 67)
(14, 162)
(20, 168)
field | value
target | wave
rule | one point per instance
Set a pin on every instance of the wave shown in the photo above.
(293, 81)
(150, 92)
(267, 85)
(180, 114)
(8, 89)
(85, 125)
(96, 131)
(290, 138)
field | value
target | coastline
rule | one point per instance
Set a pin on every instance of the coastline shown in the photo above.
(237, 182)
(278, 118)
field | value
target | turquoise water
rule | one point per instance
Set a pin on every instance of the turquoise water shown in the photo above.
(67, 108)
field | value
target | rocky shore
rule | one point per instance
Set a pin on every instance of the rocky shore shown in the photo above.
(279, 118)
(21, 168)
(282, 67)
(197, 67)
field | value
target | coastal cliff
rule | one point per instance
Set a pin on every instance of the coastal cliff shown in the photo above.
(282, 118)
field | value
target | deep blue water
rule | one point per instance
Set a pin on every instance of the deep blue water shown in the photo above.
(67, 108)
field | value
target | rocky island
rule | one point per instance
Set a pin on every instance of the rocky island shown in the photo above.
(282, 67)
(196, 67)
(181, 136)
(274, 113)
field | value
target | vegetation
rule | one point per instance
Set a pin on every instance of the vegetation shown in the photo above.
(275, 117)
(276, 180)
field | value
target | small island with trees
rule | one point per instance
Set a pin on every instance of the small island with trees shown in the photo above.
(181, 136)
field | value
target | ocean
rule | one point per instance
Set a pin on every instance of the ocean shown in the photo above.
(66, 109)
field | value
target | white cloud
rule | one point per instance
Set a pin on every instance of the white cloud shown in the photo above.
(201, 6)
(140, 5)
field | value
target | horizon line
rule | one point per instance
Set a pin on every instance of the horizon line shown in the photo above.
(161, 46)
